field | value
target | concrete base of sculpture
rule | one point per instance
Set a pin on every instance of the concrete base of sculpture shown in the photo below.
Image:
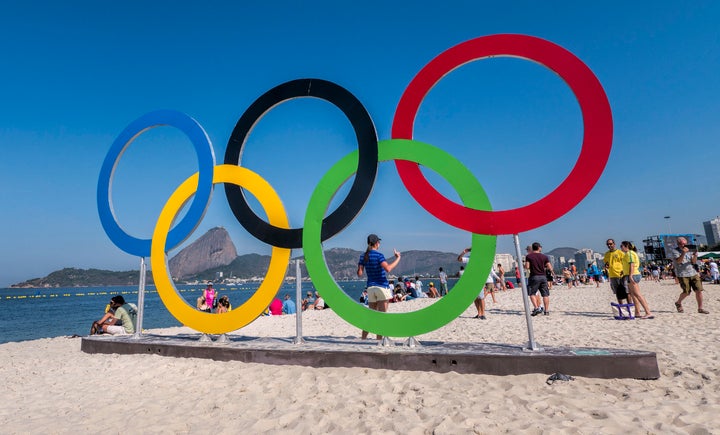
(435, 356)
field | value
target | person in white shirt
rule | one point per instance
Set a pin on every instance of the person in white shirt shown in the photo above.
(479, 301)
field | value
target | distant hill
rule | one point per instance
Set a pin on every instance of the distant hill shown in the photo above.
(72, 277)
(214, 255)
(341, 262)
(567, 252)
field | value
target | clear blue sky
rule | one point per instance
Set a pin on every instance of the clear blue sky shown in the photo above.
(74, 75)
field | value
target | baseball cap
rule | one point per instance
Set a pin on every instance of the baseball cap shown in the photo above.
(373, 239)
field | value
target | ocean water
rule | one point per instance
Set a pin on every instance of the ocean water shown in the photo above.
(29, 314)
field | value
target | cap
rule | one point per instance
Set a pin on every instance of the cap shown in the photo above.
(431, 284)
(373, 239)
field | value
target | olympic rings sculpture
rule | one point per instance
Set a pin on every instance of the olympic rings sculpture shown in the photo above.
(474, 215)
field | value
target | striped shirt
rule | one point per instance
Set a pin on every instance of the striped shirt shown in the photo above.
(375, 273)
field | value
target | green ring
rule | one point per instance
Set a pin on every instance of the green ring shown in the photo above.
(433, 316)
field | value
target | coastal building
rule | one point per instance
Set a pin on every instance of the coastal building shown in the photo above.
(552, 261)
(583, 258)
(507, 261)
(712, 231)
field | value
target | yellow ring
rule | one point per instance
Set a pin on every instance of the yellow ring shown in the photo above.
(250, 310)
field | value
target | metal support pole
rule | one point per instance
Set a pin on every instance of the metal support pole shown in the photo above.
(531, 338)
(298, 304)
(141, 299)
(412, 342)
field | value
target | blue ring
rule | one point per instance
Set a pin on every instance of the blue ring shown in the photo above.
(206, 163)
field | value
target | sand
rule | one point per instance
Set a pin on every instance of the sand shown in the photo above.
(50, 386)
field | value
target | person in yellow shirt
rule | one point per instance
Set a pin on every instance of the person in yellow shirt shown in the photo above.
(632, 277)
(613, 260)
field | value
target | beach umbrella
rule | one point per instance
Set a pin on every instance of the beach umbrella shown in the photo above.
(710, 255)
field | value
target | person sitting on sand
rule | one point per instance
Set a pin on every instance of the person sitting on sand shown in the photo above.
(309, 302)
(399, 296)
(432, 291)
(276, 307)
(223, 305)
(319, 302)
(95, 328)
(121, 321)
(288, 306)
(201, 305)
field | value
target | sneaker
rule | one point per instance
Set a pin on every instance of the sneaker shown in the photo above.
(483, 317)
(547, 313)
(701, 311)
(536, 311)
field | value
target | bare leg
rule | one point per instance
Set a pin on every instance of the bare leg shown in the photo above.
(535, 301)
(372, 306)
(639, 299)
(382, 306)
(699, 299)
(682, 297)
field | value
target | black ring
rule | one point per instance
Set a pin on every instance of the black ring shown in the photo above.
(364, 178)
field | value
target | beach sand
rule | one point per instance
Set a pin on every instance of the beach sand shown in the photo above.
(51, 386)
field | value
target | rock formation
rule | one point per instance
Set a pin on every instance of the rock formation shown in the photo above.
(212, 250)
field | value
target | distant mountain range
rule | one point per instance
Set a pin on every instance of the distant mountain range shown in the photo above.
(214, 255)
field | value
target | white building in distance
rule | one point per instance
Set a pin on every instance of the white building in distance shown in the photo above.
(712, 231)
(507, 261)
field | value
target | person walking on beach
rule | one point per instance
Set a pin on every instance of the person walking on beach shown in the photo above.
(632, 277)
(536, 262)
(594, 273)
(376, 266)
(687, 276)
(567, 276)
(613, 260)
(432, 291)
(501, 275)
(443, 282)
(479, 301)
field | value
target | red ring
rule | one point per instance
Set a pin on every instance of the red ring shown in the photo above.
(597, 138)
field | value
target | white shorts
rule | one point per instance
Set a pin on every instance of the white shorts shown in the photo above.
(379, 294)
(116, 330)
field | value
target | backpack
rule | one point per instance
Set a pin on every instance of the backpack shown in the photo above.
(132, 311)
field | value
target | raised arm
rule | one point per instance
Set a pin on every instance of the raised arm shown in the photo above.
(391, 266)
